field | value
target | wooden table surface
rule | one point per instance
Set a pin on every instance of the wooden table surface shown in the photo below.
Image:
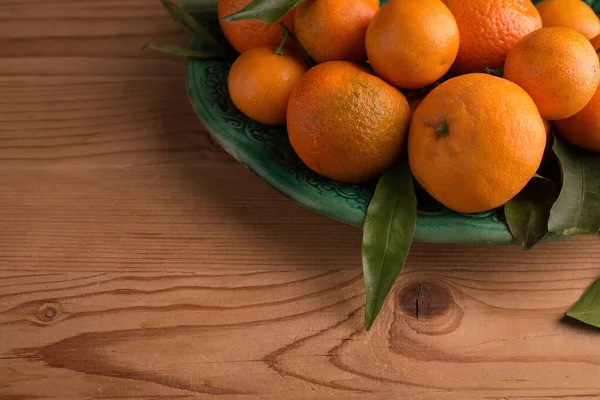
(139, 261)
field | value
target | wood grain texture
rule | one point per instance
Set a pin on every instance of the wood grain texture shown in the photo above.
(138, 261)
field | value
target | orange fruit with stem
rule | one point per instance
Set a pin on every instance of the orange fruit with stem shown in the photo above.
(261, 81)
(346, 123)
(246, 34)
(469, 150)
(334, 29)
(574, 14)
(559, 69)
(489, 29)
(412, 44)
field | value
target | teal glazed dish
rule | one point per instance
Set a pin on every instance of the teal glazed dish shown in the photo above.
(266, 151)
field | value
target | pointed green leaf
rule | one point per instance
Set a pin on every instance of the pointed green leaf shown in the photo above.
(181, 51)
(577, 210)
(528, 212)
(587, 308)
(267, 11)
(387, 236)
(188, 23)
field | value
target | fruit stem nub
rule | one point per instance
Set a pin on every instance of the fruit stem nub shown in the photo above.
(442, 129)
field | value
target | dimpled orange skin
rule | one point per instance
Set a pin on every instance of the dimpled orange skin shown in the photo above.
(411, 44)
(489, 29)
(246, 34)
(334, 29)
(559, 69)
(574, 14)
(485, 151)
(345, 123)
(260, 84)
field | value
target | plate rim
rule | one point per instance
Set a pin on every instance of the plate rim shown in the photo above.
(470, 229)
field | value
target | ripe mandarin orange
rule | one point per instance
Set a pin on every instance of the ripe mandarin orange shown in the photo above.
(559, 69)
(334, 29)
(411, 44)
(472, 151)
(345, 123)
(489, 29)
(583, 128)
(574, 14)
(246, 34)
(260, 84)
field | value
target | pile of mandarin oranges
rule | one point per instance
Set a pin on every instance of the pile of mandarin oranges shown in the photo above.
(470, 91)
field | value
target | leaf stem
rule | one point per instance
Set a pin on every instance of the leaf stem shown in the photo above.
(284, 39)
(307, 58)
(184, 52)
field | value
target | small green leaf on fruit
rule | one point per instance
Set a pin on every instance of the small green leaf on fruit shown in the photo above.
(267, 11)
(587, 308)
(387, 236)
(577, 210)
(528, 212)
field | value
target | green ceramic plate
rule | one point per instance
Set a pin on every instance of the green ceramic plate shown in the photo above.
(266, 151)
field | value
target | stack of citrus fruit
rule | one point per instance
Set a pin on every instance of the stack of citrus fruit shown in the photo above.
(483, 78)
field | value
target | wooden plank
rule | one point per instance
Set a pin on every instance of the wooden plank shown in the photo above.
(120, 277)
(138, 260)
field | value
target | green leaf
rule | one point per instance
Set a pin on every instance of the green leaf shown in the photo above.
(528, 212)
(181, 51)
(577, 210)
(387, 235)
(587, 308)
(267, 11)
(189, 24)
(200, 8)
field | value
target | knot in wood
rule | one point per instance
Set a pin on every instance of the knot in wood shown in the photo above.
(48, 312)
(424, 300)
